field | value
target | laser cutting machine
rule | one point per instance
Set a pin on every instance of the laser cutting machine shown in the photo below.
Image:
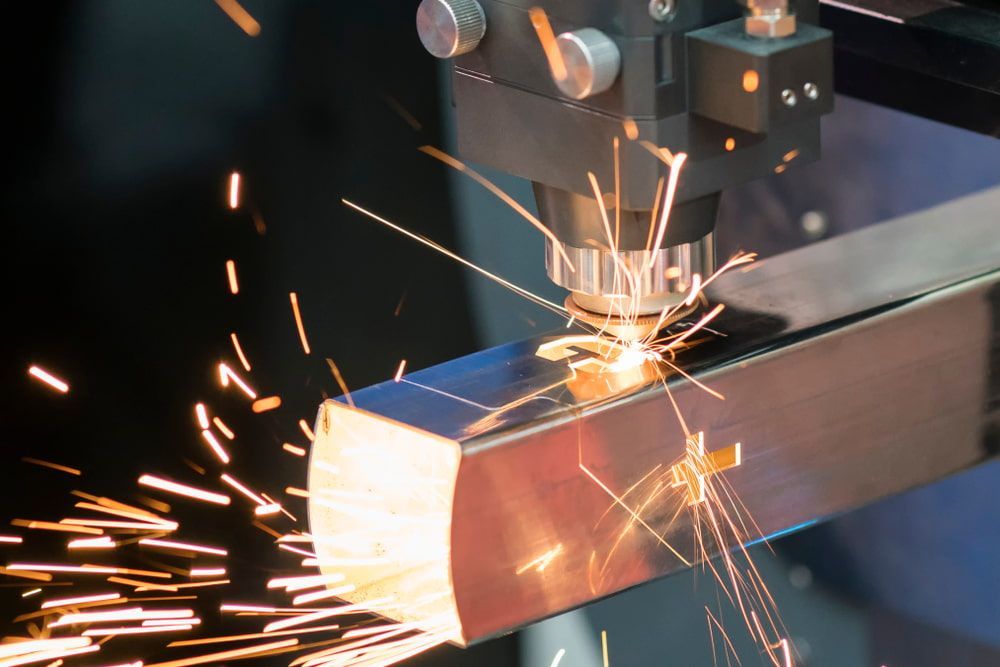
(738, 89)
(489, 478)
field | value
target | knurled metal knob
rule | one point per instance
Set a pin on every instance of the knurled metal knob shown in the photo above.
(449, 28)
(592, 62)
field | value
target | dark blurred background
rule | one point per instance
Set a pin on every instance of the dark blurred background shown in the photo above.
(124, 122)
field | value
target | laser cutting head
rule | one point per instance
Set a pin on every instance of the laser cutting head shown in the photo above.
(612, 94)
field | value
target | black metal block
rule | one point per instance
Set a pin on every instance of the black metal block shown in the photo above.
(758, 84)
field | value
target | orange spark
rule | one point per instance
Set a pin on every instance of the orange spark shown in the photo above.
(291, 584)
(267, 510)
(183, 490)
(43, 650)
(226, 374)
(730, 143)
(298, 321)
(323, 594)
(239, 352)
(631, 128)
(751, 80)
(129, 614)
(183, 546)
(49, 379)
(68, 602)
(49, 525)
(604, 646)
(234, 190)
(492, 187)
(464, 262)
(33, 591)
(399, 371)
(225, 430)
(107, 632)
(695, 289)
(234, 285)
(216, 448)
(92, 543)
(347, 609)
(292, 449)
(202, 415)
(47, 567)
(22, 648)
(244, 652)
(247, 24)
(265, 404)
(558, 657)
(208, 572)
(242, 489)
(49, 464)
(340, 381)
(13, 539)
(547, 38)
(304, 425)
(24, 574)
(256, 635)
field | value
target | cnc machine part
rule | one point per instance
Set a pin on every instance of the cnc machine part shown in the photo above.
(854, 368)
(673, 73)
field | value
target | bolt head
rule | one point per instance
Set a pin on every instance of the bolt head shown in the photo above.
(811, 90)
(788, 97)
(661, 10)
(770, 25)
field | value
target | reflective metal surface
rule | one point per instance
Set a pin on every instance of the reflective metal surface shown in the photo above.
(852, 369)
(598, 272)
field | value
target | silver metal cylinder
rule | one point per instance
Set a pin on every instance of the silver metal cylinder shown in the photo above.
(592, 62)
(449, 28)
(598, 282)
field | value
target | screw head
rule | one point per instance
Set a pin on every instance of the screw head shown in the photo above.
(811, 90)
(661, 10)
(788, 97)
